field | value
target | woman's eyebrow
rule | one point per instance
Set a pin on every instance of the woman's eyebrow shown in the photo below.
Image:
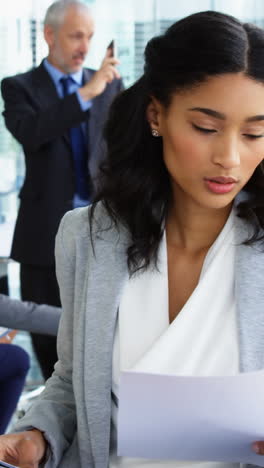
(221, 116)
(255, 118)
(210, 112)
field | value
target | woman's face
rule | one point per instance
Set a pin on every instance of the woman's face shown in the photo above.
(213, 138)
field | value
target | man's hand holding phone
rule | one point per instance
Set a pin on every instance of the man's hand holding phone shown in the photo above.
(106, 74)
(111, 49)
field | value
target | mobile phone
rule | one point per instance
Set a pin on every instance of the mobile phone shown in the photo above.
(112, 48)
(7, 465)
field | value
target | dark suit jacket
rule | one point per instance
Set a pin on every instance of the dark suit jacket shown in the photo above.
(40, 121)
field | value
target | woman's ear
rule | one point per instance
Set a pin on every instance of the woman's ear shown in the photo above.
(153, 114)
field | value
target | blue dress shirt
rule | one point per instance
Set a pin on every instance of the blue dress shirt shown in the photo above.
(77, 82)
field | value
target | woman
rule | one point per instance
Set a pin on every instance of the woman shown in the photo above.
(167, 258)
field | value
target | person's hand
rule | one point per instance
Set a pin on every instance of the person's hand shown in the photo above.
(8, 338)
(24, 449)
(258, 447)
(106, 74)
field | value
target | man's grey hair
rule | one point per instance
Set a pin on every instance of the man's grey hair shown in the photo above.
(56, 12)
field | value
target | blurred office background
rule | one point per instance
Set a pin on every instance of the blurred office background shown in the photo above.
(131, 23)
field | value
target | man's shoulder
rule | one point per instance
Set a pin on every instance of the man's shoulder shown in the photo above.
(24, 77)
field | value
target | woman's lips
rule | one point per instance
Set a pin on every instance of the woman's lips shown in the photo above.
(220, 185)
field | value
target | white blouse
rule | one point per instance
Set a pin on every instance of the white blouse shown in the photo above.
(202, 339)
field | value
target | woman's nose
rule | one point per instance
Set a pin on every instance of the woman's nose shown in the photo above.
(227, 153)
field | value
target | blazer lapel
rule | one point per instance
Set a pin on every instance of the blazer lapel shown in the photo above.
(249, 290)
(106, 283)
(95, 110)
(45, 90)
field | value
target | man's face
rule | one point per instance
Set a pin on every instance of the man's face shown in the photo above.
(70, 42)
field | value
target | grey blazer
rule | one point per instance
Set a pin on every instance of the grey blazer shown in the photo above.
(74, 411)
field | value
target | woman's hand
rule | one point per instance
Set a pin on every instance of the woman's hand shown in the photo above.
(24, 449)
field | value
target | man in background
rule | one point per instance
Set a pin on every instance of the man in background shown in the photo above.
(57, 112)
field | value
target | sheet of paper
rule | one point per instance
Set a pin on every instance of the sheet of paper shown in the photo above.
(191, 418)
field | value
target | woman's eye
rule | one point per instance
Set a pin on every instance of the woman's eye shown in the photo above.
(252, 137)
(203, 130)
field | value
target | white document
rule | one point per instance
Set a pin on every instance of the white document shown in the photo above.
(191, 418)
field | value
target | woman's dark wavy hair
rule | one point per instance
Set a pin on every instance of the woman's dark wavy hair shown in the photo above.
(135, 186)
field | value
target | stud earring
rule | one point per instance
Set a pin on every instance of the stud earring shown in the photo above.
(155, 132)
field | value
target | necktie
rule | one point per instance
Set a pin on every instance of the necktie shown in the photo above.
(79, 151)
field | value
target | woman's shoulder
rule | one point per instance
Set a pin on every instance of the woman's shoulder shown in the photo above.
(79, 238)
(75, 222)
(92, 220)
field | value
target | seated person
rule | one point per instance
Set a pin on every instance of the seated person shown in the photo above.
(14, 360)
(14, 366)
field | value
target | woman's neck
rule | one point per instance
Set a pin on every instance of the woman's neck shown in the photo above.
(193, 228)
